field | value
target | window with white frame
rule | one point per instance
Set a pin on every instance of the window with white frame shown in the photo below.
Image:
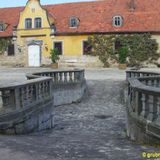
(28, 23)
(117, 21)
(73, 22)
(38, 23)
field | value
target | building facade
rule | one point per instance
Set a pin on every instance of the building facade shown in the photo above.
(35, 29)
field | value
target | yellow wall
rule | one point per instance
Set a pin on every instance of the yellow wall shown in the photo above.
(72, 45)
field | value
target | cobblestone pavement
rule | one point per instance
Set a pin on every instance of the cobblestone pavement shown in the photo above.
(91, 130)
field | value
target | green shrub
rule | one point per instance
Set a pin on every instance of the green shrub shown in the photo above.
(54, 55)
(123, 53)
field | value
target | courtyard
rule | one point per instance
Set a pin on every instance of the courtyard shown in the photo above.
(93, 129)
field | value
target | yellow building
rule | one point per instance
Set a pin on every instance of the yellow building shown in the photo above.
(36, 34)
(36, 29)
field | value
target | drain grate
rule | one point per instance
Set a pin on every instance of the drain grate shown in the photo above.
(102, 116)
(58, 127)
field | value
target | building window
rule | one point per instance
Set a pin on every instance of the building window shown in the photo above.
(59, 47)
(74, 21)
(11, 50)
(86, 48)
(38, 23)
(1, 27)
(117, 21)
(28, 23)
(117, 45)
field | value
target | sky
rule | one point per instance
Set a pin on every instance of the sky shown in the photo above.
(14, 3)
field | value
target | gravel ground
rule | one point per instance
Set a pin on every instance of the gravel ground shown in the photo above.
(91, 130)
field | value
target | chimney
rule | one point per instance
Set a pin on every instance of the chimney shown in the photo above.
(132, 5)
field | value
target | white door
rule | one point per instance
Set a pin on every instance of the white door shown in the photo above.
(34, 55)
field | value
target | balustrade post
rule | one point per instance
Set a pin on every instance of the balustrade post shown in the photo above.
(149, 83)
(128, 75)
(22, 96)
(70, 77)
(151, 107)
(17, 98)
(136, 75)
(132, 74)
(65, 77)
(138, 104)
(37, 91)
(56, 77)
(50, 88)
(82, 75)
(144, 112)
(155, 83)
(157, 121)
(60, 77)
(76, 76)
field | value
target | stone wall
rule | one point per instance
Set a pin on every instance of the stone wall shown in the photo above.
(14, 61)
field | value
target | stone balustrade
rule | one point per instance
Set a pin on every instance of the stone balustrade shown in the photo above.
(68, 86)
(136, 74)
(143, 106)
(71, 76)
(20, 96)
(28, 106)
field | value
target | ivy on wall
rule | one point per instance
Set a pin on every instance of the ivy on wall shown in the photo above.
(102, 46)
(4, 43)
(140, 48)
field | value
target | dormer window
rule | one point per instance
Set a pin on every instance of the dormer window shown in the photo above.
(37, 23)
(74, 22)
(1, 27)
(117, 21)
(28, 23)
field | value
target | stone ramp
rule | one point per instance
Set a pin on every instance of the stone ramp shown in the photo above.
(91, 130)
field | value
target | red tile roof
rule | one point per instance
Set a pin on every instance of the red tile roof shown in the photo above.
(96, 16)
(9, 16)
